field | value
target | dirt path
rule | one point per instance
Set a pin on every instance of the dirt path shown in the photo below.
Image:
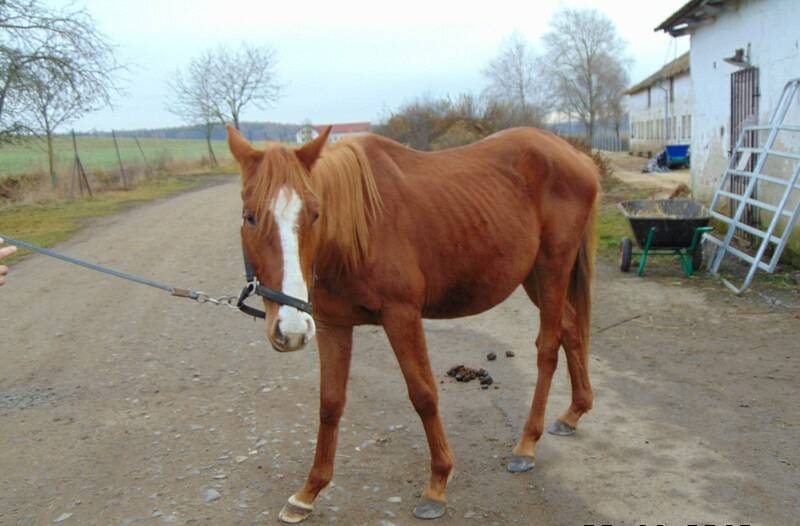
(120, 405)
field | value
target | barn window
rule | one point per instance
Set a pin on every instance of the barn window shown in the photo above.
(648, 97)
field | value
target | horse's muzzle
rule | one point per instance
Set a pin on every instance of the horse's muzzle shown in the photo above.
(288, 336)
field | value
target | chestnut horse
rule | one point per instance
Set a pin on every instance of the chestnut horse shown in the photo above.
(378, 233)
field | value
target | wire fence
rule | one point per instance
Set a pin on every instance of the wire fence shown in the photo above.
(602, 140)
(610, 142)
(29, 155)
(82, 163)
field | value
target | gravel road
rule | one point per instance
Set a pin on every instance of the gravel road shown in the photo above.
(120, 405)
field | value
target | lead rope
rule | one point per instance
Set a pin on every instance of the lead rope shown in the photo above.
(232, 301)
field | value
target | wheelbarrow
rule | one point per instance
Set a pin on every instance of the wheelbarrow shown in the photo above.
(677, 155)
(664, 227)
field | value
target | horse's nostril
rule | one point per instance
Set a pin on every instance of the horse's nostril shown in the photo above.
(279, 337)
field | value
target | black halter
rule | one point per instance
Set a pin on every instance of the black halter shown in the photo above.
(254, 287)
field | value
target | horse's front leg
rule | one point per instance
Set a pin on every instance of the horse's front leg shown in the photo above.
(403, 326)
(335, 344)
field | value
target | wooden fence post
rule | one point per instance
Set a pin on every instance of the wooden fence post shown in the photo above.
(146, 164)
(119, 158)
(78, 171)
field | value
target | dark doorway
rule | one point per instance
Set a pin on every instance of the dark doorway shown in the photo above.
(744, 112)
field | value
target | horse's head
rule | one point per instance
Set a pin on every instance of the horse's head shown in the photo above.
(278, 219)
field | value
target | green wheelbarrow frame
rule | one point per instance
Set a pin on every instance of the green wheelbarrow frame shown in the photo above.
(686, 254)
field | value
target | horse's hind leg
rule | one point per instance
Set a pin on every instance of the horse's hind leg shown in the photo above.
(547, 285)
(403, 326)
(335, 345)
(577, 351)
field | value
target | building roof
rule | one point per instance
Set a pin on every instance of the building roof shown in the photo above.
(693, 13)
(679, 66)
(345, 127)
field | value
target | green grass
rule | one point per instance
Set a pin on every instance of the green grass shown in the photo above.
(47, 224)
(612, 226)
(98, 153)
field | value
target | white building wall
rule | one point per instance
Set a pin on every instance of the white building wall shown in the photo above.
(336, 137)
(647, 133)
(771, 29)
(305, 134)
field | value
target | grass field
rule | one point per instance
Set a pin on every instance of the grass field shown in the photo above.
(97, 153)
(38, 214)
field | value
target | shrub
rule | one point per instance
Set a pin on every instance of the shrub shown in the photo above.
(602, 162)
(458, 134)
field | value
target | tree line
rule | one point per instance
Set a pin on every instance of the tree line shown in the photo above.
(580, 73)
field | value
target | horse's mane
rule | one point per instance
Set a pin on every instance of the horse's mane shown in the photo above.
(344, 186)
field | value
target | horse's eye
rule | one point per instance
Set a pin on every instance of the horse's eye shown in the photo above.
(314, 217)
(249, 218)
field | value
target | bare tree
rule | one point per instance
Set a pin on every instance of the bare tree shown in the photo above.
(515, 79)
(219, 84)
(616, 80)
(581, 49)
(243, 77)
(51, 101)
(194, 97)
(48, 106)
(63, 46)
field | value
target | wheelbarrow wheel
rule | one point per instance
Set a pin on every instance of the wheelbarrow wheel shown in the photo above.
(697, 256)
(625, 254)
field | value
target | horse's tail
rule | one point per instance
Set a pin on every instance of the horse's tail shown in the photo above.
(580, 287)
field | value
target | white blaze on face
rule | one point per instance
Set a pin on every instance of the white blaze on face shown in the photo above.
(286, 211)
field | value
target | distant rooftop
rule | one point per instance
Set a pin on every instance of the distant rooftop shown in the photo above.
(345, 127)
(677, 67)
(692, 14)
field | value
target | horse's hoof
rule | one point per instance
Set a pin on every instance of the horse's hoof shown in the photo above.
(520, 464)
(429, 509)
(561, 429)
(295, 511)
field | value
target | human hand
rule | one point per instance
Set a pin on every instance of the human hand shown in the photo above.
(5, 251)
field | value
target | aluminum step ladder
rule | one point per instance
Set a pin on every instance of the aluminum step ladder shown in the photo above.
(787, 207)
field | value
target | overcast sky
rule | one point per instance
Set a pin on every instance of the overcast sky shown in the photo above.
(343, 60)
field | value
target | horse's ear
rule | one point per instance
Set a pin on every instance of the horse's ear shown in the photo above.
(309, 152)
(241, 149)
